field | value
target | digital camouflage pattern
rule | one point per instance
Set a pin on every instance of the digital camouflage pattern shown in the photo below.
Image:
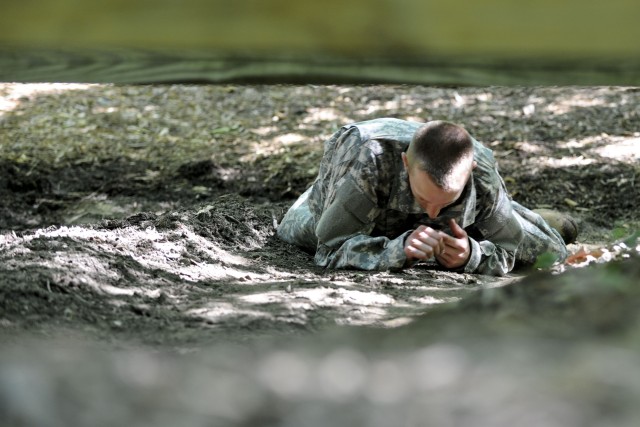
(360, 209)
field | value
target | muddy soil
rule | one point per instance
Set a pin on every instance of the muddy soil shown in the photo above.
(143, 217)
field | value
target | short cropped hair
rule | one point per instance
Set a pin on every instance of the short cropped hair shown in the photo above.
(441, 148)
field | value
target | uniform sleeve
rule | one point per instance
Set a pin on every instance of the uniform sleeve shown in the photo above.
(501, 233)
(343, 230)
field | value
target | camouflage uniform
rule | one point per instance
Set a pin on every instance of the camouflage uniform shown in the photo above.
(360, 209)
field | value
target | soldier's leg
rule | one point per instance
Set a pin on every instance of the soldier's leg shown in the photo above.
(298, 225)
(539, 237)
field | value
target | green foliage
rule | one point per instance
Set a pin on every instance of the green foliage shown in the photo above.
(545, 260)
(632, 240)
(619, 232)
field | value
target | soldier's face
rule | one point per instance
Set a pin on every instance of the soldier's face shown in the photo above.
(429, 196)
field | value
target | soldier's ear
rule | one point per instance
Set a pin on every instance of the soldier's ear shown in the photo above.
(474, 165)
(405, 161)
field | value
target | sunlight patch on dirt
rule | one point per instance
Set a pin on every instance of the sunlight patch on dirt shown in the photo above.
(336, 297)
(87, 269)
(625, 150)
(562, 162)
(275, 145)
(583, 144)
(325, 296)
(326, 114)
(348, 306)
(429, 300)
(529, 147)
(172, 252)
(289, 138)
(217, 312)
(12, 95)
(376, 107)
(566, 105)
(264, 130)
(621, 148)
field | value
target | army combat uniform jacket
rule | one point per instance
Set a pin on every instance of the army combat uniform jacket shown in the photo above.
(360, 209)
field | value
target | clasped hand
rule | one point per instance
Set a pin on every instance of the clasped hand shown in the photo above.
(450, 251)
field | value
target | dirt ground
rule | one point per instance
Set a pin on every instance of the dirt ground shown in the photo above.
(142, 218)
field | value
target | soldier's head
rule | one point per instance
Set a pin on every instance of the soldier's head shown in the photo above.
(439, 162)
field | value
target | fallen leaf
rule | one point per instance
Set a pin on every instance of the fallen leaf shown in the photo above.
(583, 256)
(570, 202)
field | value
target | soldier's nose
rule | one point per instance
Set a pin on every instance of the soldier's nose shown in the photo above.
(432, 212)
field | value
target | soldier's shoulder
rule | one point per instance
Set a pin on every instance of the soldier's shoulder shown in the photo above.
(486, 175)
(387, 128)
